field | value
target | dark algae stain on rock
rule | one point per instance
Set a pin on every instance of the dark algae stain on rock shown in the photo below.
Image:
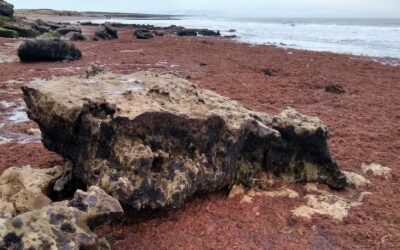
(12, 241)
(152, 141)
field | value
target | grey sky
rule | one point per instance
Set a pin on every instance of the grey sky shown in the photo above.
(256, 8)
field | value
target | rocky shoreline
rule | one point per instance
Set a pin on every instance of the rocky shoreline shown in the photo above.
(337, 88)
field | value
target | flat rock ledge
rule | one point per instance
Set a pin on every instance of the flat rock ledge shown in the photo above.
(152, 140)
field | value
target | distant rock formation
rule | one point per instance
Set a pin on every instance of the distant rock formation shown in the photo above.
(6, 9)
(151, 141)
(47, 50)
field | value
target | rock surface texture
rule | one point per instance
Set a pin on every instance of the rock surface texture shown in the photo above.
(153, 140)
(61, 225)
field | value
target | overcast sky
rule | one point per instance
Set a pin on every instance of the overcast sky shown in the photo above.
(256, 8)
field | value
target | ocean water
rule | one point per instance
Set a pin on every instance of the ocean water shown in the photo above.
(366, 37)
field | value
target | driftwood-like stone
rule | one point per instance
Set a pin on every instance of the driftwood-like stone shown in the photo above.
(153, 140)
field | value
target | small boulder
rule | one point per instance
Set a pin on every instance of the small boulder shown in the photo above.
(92, 70)
(48, 50)
(75, 36)
(270, 71)
(65, 30)
(143, 34)
(6, 9)
(335, 89)
(105, 32)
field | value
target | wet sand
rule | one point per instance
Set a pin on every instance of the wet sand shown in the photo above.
(363, 124)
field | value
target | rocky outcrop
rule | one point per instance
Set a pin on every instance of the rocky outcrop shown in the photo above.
(62, 225)
(24, 189)
(6, 9)
(32, 29)
(23, 30)
(105, 32)
(151, 140)
(48, 50)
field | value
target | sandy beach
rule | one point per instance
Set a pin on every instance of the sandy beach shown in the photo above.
(362, 121)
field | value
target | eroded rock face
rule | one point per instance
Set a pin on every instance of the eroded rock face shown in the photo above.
(61, 225)
(153, 140)
(25, 189)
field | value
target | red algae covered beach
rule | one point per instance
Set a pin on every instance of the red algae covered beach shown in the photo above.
(362, 118)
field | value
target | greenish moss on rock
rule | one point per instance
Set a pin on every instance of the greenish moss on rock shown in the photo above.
(8, 33)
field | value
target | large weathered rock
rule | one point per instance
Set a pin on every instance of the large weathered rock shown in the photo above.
(62, 225)
(48, 50)
(6, 9)
(25, 189)
(153, 140)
